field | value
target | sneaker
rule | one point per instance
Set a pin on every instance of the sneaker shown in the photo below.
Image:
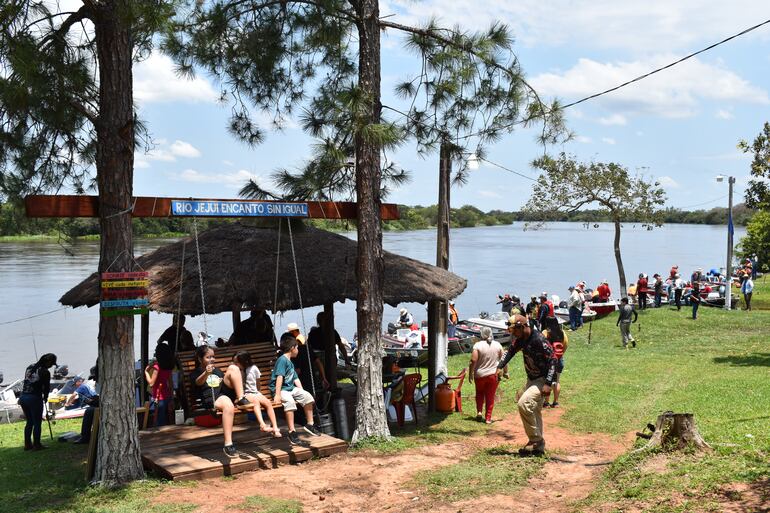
(479, 416)
(242, 402)
(310, 428)
(293, 438)
(545, 404)
(554, 404)
(230, 451)
(633, 343)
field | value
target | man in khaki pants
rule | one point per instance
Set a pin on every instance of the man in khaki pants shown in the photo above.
(540, 366)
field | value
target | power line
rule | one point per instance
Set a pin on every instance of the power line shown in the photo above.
(506, 169)
(704, 203)
(666, 66)
(33, 316)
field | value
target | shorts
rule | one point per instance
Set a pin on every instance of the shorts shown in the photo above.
(559, 368)
(290, 399)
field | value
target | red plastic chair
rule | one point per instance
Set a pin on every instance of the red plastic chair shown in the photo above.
(458, 399)
(407, 399)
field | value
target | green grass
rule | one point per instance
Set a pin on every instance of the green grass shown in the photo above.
(262, 504)
(53, 480)
(488, 472)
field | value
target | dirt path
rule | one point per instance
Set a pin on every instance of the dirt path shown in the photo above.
(367, 481)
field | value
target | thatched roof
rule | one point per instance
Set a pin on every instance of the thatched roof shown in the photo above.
(239, 271)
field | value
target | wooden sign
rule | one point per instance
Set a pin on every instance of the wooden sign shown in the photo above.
(124, 293)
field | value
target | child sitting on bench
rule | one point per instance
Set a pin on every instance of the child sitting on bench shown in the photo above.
(243, 366)
(209, 387)
(287, 388)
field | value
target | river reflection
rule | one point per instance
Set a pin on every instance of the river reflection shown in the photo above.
(493, 259)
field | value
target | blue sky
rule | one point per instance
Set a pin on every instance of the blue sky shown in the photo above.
(680, 126)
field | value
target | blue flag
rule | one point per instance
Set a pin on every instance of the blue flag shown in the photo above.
(730, 229)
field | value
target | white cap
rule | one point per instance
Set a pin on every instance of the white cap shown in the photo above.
(403, 311)
(292, 326)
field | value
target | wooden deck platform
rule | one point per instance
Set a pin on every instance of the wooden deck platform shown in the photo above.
(192, 452)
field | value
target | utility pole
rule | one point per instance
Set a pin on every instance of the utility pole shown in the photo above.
(729, 266)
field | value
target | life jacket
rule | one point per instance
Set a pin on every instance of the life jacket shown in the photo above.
(559, 346)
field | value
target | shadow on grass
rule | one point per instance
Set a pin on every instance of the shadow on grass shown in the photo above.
(749, 360)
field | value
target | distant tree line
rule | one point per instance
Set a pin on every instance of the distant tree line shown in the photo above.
(13, 222)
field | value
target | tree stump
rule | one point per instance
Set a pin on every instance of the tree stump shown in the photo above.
(676, 431)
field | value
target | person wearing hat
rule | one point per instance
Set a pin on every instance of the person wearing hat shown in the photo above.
(658, 288)
(625, 314)
(307, 361)
(34, 395)
(678, 290)
(531, 311)
(405, 319)
(575, 305)
(452, 319)
(540, 367)
(641, 290)
(506, 303)
(603, 292)
(546, 309)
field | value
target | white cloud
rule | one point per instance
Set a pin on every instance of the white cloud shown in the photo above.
(613, 119)
(608, 140)
(232, 180)
(653, 25)
(156, 82)
(668, 182)
(228, 163)
(583, 139)
(724, 114)
(489, 194)
(674, 94)
(164, 152)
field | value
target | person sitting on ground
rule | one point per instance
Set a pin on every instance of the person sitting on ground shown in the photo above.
(177, 336)
(75, 399)
(482, 370)
(250, 378)
(158, 376)
(34, 395)
(315, 338)
(559, 341)
(287, 389)
(257, 328)
(208, 386)
(405, 319)
(603, 292)
(625, 312)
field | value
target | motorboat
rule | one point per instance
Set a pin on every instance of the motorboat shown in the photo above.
(602, 309)
(563, 315)
(497, 321)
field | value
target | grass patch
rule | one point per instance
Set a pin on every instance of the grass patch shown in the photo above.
(53, 480)
(262, 504)
(490, 471)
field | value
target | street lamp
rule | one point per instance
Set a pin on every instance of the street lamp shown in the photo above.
(728, 267)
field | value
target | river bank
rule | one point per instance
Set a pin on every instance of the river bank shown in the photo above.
(714, 367)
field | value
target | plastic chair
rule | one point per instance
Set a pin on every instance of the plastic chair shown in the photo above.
(407, 399)
(458, 397)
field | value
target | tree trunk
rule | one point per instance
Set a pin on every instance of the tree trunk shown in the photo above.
(674, 431)
(118, 457)
(370, 410)
(619, 261)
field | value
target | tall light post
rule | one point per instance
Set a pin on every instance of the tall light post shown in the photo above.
(729, 266)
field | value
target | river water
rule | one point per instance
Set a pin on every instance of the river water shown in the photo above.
(494, 260)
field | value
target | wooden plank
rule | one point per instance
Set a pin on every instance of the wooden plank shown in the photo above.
(137, 275)
(143, 206)
(123, 293)
(122, 303)
(125, 284)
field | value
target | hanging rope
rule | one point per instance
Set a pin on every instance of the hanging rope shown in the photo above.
(179, 302)
(200, 275)
(301, 307)
(277, 262)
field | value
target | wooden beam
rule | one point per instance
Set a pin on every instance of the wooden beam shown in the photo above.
(143, 206)
(144, 356)
(330, 347)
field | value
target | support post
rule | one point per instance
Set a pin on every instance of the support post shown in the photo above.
(145, 354)
(236, 317)
(330, 346)
(729, 266)
(433, 307)
(439, 364)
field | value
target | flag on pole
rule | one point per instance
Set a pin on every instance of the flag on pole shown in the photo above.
(730, 229)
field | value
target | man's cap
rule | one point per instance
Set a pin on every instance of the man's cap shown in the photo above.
(516, 320)
(292, 326)
(604, 280)
(571, 287)
(544, 294)
(533, 297)
(451, 302)
(403, 311)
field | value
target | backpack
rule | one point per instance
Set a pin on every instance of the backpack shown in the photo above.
(559, 347)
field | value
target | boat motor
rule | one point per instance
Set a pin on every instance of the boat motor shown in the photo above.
(61, 371)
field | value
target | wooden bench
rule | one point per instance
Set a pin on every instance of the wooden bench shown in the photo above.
(263, 354)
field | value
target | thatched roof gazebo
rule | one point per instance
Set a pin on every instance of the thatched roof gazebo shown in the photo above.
(239, 266)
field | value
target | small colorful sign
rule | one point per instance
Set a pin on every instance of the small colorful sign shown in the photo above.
(217, 208)
(124, 293)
